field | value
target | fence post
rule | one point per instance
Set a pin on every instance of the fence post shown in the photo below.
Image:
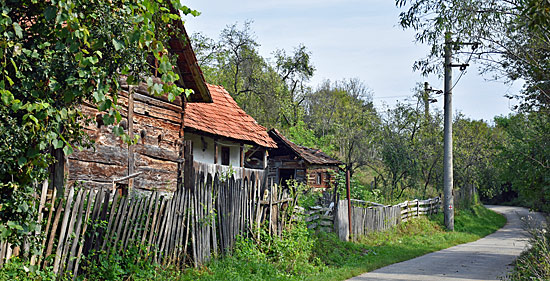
(349, 201)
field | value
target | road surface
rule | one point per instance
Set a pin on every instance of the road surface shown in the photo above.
(485, 259)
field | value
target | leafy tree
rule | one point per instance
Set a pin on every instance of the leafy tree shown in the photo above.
(343, 111)
(271, 92)
(524, 156)
(474, 155)
(509, 37)
(55, 55)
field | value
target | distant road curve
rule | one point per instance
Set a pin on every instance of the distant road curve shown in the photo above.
(485, 259)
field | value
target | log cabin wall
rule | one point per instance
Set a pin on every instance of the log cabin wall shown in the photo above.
(320, 176)
(158, 155)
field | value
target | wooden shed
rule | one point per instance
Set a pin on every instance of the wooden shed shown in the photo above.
(156, 161)
(292, 161)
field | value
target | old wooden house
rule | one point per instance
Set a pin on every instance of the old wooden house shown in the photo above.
(303, 164)
(224, 136)
(156, 161)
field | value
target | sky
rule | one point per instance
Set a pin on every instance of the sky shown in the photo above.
(351, 39)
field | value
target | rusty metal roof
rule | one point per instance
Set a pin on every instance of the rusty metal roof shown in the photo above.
(223, 117)
(310, 155)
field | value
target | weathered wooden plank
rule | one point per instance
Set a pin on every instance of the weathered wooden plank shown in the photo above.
(119, 222)
(41, 205)
(83, 236)
(63, 230)
(149, 214)
(112, 216)
(77, 234)
(69, 240)
(131, 161)
(128, 221)
(141, 217)
(89, 243)
(131, 222)
(157, 236)
(53, 231)
(47, 229)
(101, 232)
(3, 246)
(158, 203)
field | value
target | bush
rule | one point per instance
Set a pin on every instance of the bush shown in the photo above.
(130, 264)
(16, 269)
(288, 257)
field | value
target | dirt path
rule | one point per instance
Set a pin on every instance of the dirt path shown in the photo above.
(485, 259)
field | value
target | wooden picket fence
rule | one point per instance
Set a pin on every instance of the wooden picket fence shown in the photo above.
(369, 217)
(416, 208)
(181, 228)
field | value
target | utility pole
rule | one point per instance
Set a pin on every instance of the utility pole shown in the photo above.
(426, 100)
(448, 138)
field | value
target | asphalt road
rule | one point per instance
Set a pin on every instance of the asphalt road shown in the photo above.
(485, 259)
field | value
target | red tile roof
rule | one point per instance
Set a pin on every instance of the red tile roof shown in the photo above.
(223, 117)
(310, 155)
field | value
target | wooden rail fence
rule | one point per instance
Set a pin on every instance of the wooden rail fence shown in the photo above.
(369, 217)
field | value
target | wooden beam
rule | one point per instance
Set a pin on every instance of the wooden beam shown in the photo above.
(216, 148)
(188, 181)
(241, 151)
(131, 160)
(59, 172)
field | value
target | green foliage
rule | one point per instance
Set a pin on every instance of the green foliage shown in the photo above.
(357, 190)
(288, 257)
(524, 156)
(130, 264)
(16, 269)
(55, 55)
(343, 113)
(271, 91)
(301, 134)
(517, 30)
(409, 151)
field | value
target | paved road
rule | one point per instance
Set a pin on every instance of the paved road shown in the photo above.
(485, 259)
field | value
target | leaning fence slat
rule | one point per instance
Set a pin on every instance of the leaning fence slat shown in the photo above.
(110, 226)
(72, 252)
(48, 223)
(82, 240)
(70, 232)
(63, 231)
(59, 208)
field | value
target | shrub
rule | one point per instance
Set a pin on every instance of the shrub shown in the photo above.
(130, 264)
(16, 269)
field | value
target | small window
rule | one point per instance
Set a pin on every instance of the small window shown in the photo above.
(225, 155)
(319, 178)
